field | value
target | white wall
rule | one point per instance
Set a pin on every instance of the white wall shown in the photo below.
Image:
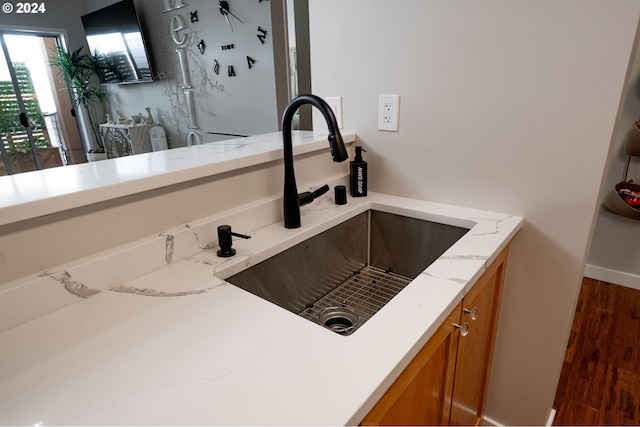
(506, 105)
(241, 105)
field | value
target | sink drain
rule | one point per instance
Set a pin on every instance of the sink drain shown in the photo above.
(338, 319)
(349, 305)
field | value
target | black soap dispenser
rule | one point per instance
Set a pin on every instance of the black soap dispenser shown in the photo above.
(358, 167)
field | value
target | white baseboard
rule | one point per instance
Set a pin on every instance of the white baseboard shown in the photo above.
(552, 415)
(486, 421)
(612, 276)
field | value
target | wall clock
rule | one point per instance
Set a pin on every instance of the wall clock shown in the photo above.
(240, 35)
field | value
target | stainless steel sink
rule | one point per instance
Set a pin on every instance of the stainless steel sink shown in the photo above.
(343, 276)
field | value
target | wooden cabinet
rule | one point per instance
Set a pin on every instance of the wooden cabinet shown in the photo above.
(446, 383)
(422, 393)
(475, 350)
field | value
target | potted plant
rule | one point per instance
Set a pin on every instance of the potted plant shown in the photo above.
(80, 73)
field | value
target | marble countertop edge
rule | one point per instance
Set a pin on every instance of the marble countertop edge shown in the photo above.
(33, 194)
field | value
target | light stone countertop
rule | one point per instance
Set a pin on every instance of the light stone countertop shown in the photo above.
(32, 194)
(164, 340)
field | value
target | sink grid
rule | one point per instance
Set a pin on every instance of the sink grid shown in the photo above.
(366, 292)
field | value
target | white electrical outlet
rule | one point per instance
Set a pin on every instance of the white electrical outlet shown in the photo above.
(389, 112)
(335, 102)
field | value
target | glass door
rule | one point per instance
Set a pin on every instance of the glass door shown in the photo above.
(30, 131)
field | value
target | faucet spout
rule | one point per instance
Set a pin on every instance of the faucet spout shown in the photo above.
(336, 146)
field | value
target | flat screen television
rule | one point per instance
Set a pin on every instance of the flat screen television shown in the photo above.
(116, 40)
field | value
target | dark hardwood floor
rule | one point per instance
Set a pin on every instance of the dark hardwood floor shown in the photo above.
(600, 379)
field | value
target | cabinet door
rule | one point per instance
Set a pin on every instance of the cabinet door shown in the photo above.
(422, 393)
(475, 350)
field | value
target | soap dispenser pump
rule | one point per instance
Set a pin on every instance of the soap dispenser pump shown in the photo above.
(358, 181)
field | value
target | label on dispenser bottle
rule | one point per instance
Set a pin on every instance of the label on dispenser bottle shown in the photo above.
(359, 181)
(360, 177)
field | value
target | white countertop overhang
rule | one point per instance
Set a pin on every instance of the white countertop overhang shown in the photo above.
(33, 194)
